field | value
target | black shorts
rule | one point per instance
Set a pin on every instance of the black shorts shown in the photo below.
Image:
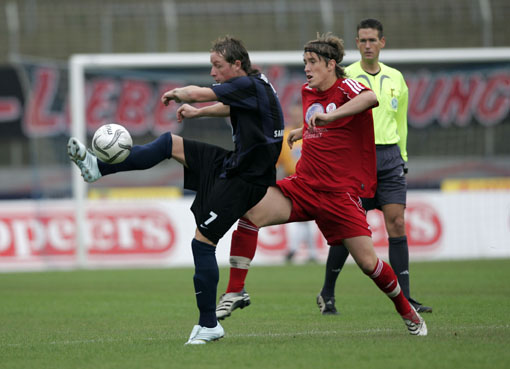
(391, 180)
(219, 202)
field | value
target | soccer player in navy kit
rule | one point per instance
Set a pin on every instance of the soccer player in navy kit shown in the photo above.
(227, 183)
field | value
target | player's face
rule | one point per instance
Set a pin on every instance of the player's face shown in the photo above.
(369, 44)
(319, 74)
(222, 70)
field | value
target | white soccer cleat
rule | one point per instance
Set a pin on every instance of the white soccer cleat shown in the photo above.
(201, 335)
(415, 323)
(230, 301)
(85, 160)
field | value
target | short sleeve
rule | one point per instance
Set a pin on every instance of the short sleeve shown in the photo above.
(352, 88)
(238, 92)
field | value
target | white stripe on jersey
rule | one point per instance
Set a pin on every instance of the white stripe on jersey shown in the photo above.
(354, 85)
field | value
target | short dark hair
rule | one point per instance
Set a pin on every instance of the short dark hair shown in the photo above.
(232, 49)
(371, 23)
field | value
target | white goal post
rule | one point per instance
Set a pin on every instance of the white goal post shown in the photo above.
(80, 63)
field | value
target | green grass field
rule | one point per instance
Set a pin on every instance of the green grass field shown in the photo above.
(141, 319)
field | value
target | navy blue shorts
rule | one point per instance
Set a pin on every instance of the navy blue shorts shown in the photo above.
(219, 202)
(391, 180)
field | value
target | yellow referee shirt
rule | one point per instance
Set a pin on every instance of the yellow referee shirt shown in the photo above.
(390, 117)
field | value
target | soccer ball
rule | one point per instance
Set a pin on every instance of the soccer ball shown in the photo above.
(112, 143)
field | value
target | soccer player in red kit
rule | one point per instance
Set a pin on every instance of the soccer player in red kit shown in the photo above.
(337, 168)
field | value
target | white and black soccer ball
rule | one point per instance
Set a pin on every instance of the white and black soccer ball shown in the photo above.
(112, 143)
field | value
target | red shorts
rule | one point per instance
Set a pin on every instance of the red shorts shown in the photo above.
(339, 215)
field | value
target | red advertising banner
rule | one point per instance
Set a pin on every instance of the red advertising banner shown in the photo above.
(31, 231)
(439, 94)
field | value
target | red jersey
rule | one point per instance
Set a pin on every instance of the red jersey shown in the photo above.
(339, 156)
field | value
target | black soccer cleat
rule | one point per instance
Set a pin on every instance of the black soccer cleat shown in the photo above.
(326, 305)
(420, 308)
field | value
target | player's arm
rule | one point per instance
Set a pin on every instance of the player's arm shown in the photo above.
(215, 110)
(365, 100)
(285, 159)
(294, 135)
(189, 94)
(402, 120)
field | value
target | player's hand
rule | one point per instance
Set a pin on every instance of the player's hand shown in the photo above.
(317, 119)
(169, 96)
(293, 136)
(186, 111)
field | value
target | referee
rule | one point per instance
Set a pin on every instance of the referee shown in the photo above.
(390, 125)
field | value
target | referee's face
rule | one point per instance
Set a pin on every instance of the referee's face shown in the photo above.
(222, 70)
(369, 44)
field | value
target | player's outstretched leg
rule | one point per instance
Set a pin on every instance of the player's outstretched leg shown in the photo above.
(362, 250)
(84, 159)
(141, 157)
(385, 278)
(242, 252)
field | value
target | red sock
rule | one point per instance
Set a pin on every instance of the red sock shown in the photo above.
(242, 251)
(385, 278)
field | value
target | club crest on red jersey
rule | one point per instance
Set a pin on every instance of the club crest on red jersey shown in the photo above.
(330, 107)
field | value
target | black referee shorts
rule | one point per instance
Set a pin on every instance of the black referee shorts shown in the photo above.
(391, 181)
(219, 202)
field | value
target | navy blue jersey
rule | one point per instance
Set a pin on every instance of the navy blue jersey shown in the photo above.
(257, 128)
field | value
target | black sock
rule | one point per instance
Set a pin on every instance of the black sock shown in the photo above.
(142, 156)
(205, 280)
(399, 260)
(336, 260)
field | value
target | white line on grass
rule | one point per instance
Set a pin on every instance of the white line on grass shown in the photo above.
(265, 334)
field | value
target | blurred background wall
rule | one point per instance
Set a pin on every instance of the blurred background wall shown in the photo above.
(56, 29)
(38, 36)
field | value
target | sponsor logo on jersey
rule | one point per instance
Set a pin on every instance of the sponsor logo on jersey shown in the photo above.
(312, 109)
(278, 133)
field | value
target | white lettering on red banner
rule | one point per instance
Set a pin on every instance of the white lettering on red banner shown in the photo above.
(108, 232)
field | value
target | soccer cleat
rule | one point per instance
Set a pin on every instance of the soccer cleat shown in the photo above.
(326, 305)
(419, 307)
(289, 256)
(415, 323)
(230, 301)
(201, 335)
(85, 160)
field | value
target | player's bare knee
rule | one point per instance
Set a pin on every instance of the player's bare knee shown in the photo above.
(366, 265)
(255, 215)
(396, 227)
(200, 237)
(274, 208)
